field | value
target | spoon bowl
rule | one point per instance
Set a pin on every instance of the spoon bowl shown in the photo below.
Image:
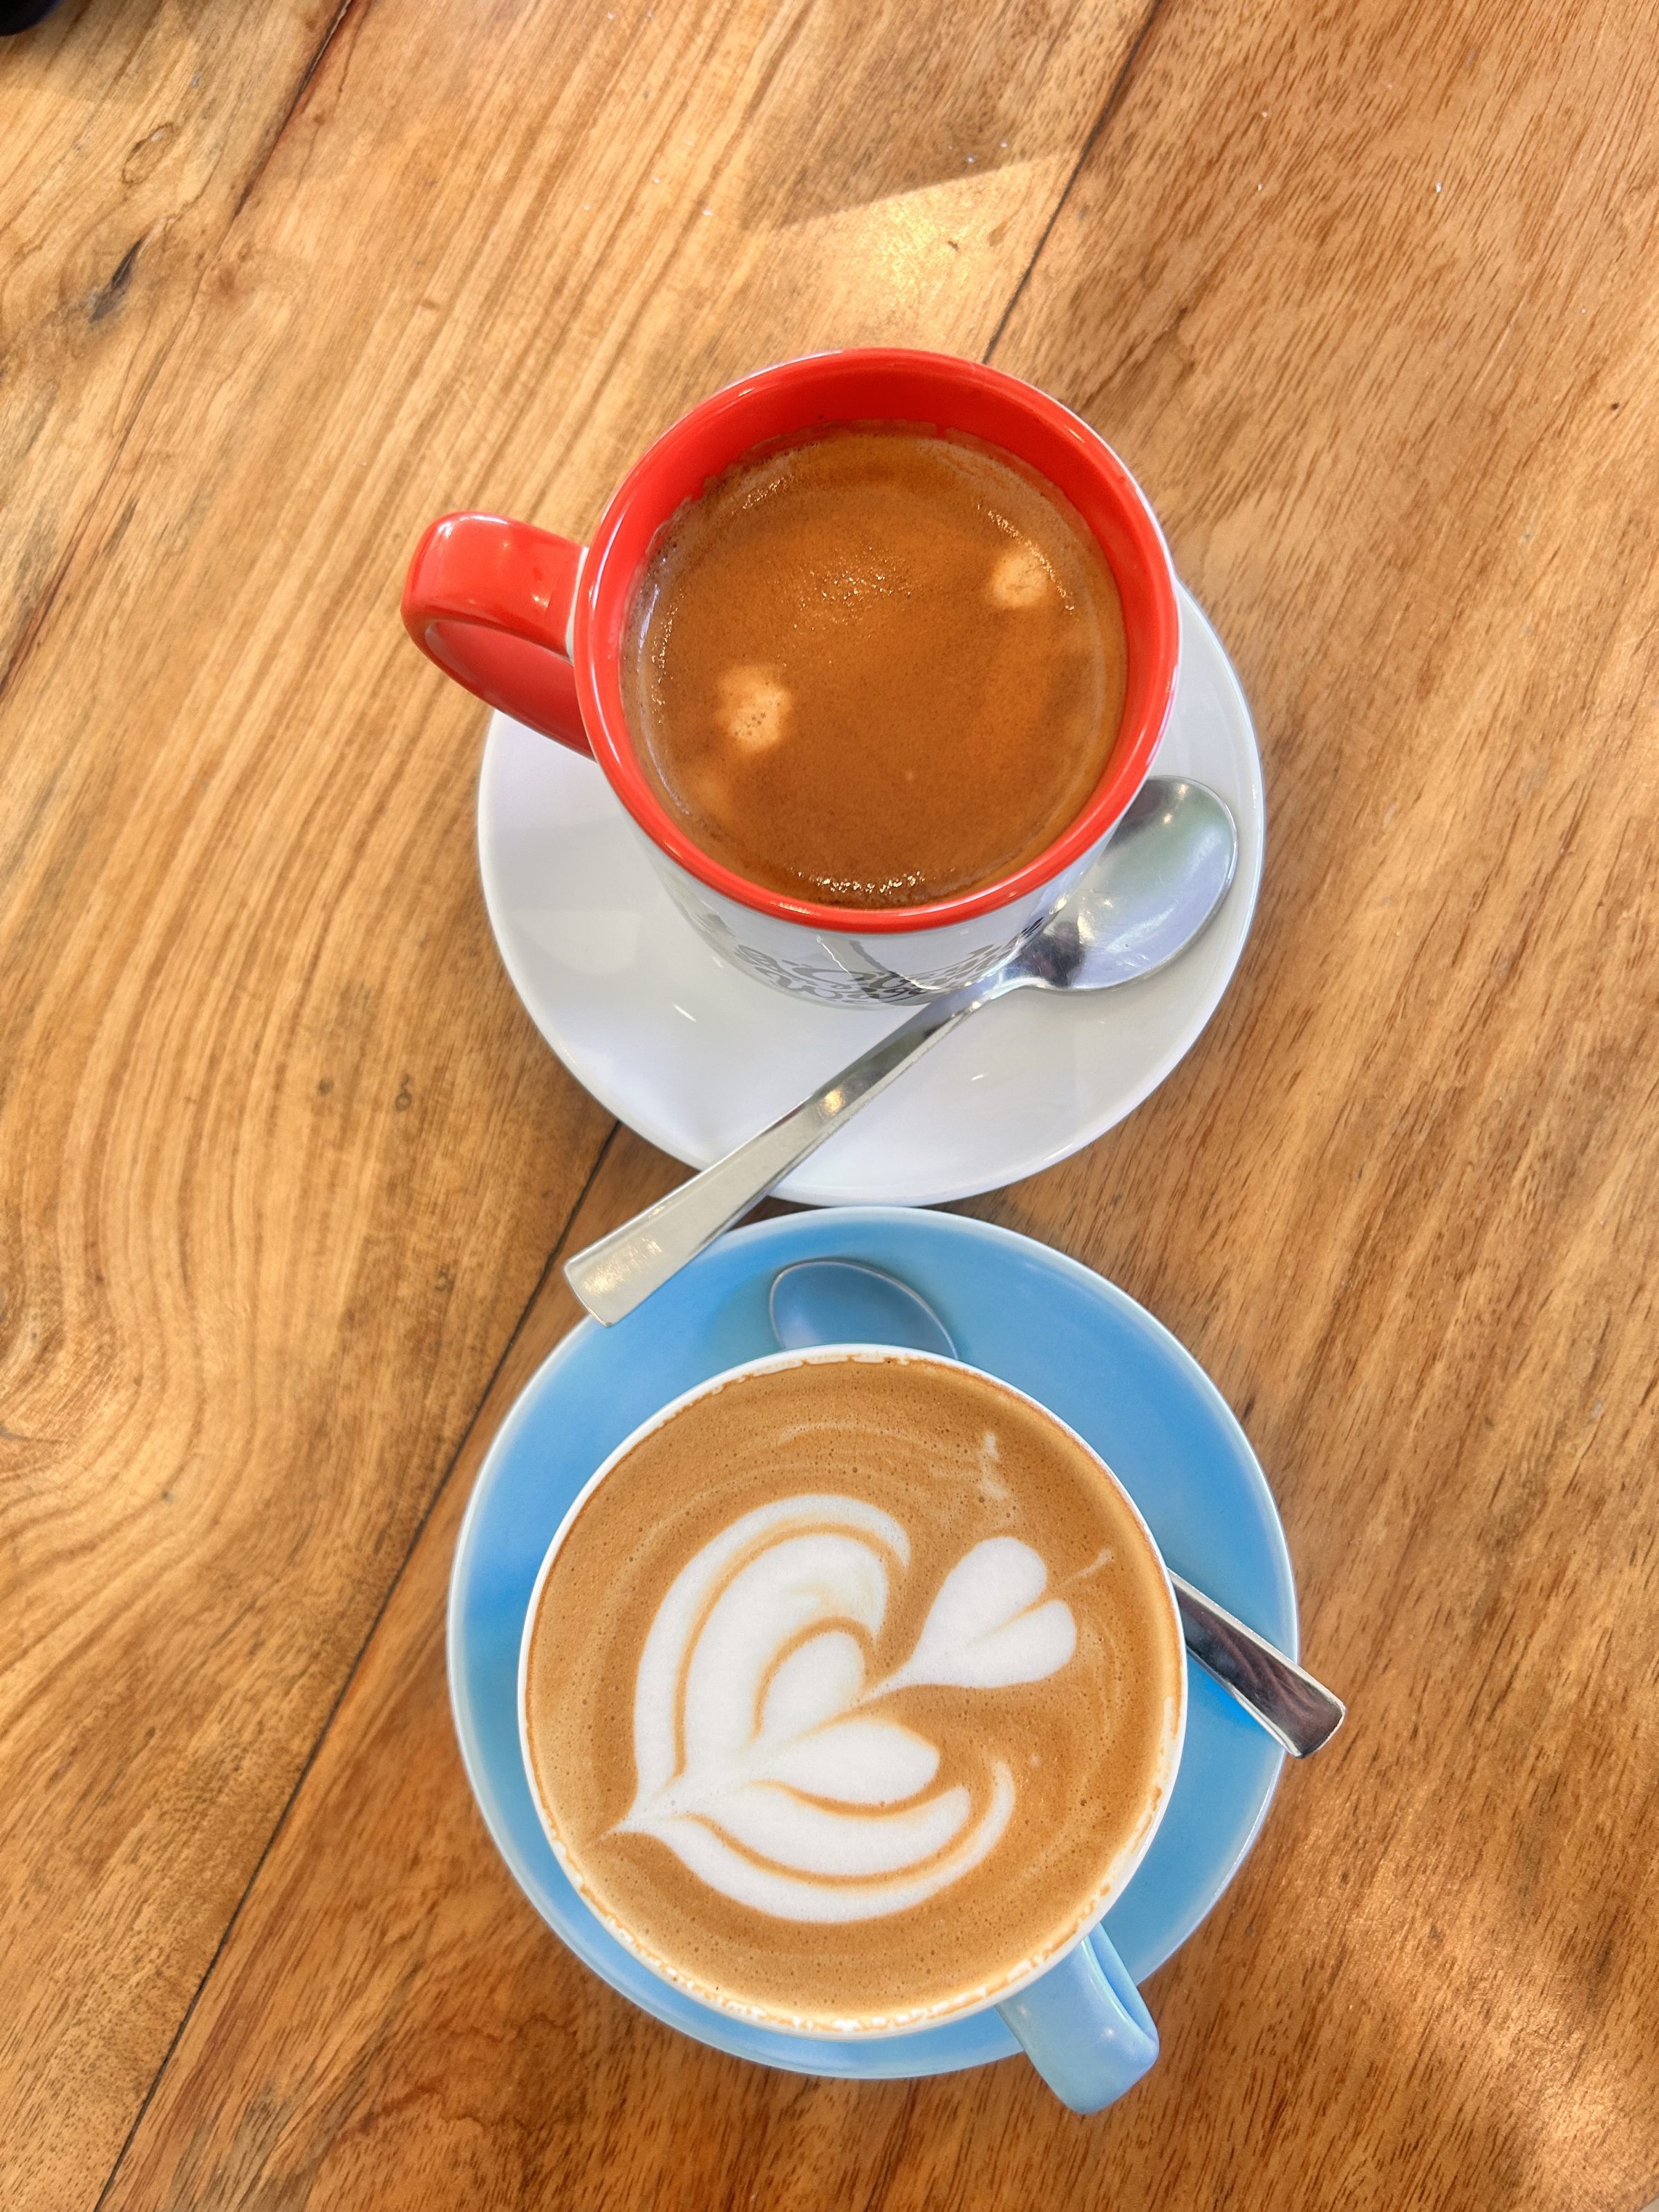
(1156, 888)
(843, 1302)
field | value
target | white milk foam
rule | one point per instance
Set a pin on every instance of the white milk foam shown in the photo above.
(762, 1760)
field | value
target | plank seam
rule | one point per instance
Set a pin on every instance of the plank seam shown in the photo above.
(353, 1670)
(1114, 101)
(254, 174)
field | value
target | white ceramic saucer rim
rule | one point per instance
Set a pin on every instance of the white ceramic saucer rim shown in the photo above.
(636, 1110)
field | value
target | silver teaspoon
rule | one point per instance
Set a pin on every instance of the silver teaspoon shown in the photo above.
(845, 1301)
(1156, 887)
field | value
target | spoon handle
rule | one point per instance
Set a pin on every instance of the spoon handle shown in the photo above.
(1286, 1699)
(617, 1274)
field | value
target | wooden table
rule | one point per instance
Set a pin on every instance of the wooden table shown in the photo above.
(1368, 294)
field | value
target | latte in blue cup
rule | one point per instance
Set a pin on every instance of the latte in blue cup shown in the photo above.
(851, 1694)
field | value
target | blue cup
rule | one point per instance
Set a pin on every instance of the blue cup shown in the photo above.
(1084, 2025)
(1078, 2015)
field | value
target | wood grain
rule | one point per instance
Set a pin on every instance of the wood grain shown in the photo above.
(1395, 408)
(132, 135)
(283, 1158)
(1401, 1201)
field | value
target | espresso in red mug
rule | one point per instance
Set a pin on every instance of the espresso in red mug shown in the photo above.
(876, 668)
(915, 852)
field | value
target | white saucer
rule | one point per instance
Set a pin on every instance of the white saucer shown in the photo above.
(695, 1056)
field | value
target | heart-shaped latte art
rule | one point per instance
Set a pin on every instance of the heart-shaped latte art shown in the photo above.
(760, 1762)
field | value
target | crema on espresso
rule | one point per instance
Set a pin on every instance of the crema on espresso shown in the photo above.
(852, 1688)
(877, 668)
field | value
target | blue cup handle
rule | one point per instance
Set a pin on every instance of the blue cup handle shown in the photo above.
(1084, 2026)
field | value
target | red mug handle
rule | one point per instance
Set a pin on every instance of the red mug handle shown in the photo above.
(489, 601)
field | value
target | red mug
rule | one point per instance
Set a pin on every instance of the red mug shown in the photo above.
(534, 625)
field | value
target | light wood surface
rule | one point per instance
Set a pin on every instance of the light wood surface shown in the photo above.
(1367, 296)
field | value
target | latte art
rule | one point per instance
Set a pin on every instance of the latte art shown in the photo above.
(850, 1689)
(765, 1761)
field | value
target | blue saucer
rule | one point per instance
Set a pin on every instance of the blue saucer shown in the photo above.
(1017, 1309)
